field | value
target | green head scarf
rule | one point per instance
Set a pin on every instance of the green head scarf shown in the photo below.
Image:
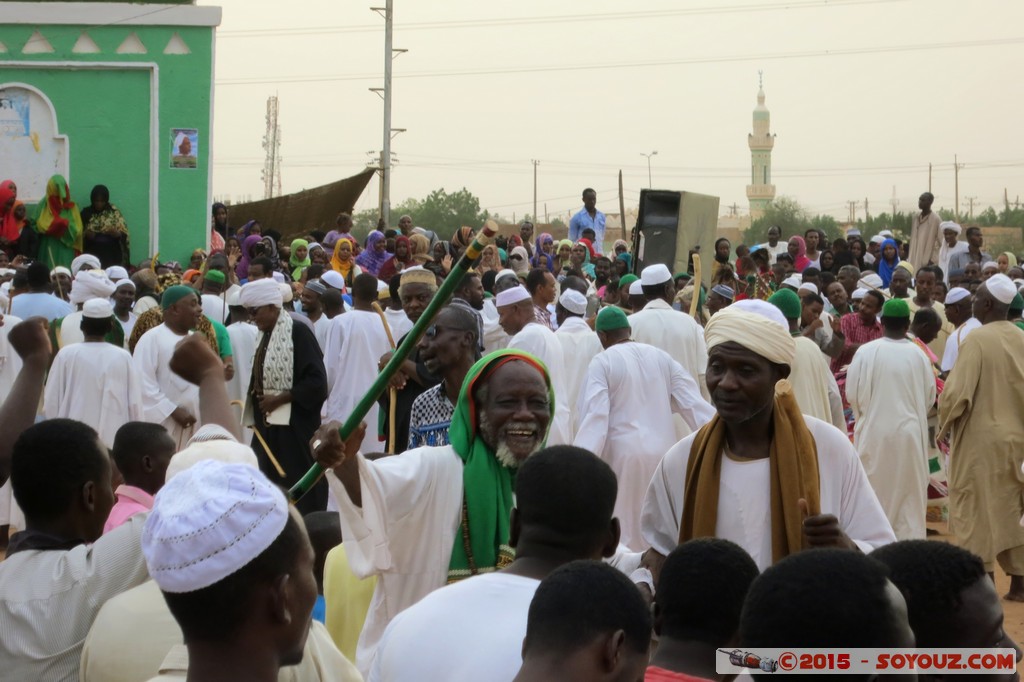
(296, 264)
(486, 484)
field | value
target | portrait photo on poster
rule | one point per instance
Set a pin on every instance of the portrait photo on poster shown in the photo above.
(184, 147)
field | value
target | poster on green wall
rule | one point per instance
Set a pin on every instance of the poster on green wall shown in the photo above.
(184, 147)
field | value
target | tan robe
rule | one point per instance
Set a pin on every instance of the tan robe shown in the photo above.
(925, 239)
(981, 406)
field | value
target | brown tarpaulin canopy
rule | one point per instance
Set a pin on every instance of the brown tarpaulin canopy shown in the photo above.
(310, 209)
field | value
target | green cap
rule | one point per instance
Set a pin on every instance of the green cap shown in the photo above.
(174, 294)
(788, 302)
(215, 276)
(896, 307)
(1017, 303)
(611, 318)
(626, 280)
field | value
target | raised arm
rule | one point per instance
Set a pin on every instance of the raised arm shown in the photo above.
(32, 343)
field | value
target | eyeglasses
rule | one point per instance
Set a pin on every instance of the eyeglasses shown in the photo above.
(515, 256)
(434, 329)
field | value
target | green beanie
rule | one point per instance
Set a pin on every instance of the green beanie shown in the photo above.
(788, 302)
(215, 276)
(174, 294)
(896, 307)
(1017, 303)
(611, 318)
(626, 280)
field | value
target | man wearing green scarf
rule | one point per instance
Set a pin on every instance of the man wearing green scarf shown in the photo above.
(435, 515)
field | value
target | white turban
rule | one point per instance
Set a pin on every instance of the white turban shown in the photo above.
(116, 272)
(85, 259)
(871, 281)
(1001, 288)
(90, 284)
(261, 292)
(756, 325)
(950, 225)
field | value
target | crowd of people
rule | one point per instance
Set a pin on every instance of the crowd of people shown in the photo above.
(584, 470)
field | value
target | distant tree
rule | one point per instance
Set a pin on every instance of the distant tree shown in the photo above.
(559, 224)
(785, 212)
(364, 221)
(445, 213)
(988, 217)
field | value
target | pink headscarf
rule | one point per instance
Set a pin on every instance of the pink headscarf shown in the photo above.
(801, 261)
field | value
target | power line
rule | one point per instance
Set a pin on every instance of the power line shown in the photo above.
(890, 49)
(549, 19)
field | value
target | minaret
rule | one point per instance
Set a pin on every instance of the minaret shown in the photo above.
(760, 191)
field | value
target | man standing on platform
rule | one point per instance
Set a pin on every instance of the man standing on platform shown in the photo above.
(925, 235)
(588, 217)
(980, 409)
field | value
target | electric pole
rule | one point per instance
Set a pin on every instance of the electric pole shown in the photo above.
(385, 162)
(654, 153)
(970, 204)
(929, 177)
(895, 202)
(535, 163)
(272, 146)
(853, 211)
(956, 186)
(867, 216)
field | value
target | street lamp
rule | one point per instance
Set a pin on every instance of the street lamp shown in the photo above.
(654, 153)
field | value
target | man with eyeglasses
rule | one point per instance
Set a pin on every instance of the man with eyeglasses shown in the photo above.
(287, 389)
(448, 349)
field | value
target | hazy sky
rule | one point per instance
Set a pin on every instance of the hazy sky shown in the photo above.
(863, 95)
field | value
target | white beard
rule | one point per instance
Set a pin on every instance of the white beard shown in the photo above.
(502, 452)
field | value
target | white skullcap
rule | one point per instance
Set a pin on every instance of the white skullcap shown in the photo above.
(853, 233)
(756, 325)
(989, 265)
(808, 286)
(885, 233)
(86, 259)
(1001, 288)
(654, 275)
(861, 292)
(573, 301)
(261, 292)
(871, 281)
(277, 276)
(505, 273)
(208, 522)
(60, 270)
(90, 284)
(511, 296)
(950, 225)
(877, 239)
(792, 281)
(383, 286)
(956, 294)
(636, 288)
(126, 282)
(98, 309)
(286, 292)
(234, 298)
(333, 279)
(116, 272)
(211, 444)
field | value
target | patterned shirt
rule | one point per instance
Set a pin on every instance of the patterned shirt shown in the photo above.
(542, 316)
(430, 418)
(855, 331)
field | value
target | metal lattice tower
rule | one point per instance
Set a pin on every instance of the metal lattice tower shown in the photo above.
(272, 145)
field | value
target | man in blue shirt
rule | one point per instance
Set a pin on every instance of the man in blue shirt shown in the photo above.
(588, 216)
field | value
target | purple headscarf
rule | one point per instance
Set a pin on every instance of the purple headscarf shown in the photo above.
(242, 269)
(370, 260)
(541, 259)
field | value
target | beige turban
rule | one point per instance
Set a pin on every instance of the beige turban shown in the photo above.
(756, 330)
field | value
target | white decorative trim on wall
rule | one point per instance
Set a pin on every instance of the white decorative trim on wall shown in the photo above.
(85, 45)
(154, 121)
(106, 13)
(132, 45)
(176, 45)
(37, 44)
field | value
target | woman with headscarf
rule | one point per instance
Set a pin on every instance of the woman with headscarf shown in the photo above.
(318, 254)
(542, 252)
(298, 259)
(59, 223)
(219, 230)
(580, 259)
(620, 246)
(343, 262)
(721, 256)
(248, 253)
(419, 248)
(401, 260)
(490, 259)
(1005, 261)
(797, 249)
(623, 264)
(10, 226)
(461, 240)
(375, 255)
(563, 256)
(519, 260)
(270, 251)
(104, 230)
(888, 261)
(250, 228)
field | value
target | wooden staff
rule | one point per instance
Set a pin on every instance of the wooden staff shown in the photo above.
(695, 301)
(447, 288)
(392, 391)
(60, 290)
(270, 455)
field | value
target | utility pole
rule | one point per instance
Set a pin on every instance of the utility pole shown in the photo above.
(956, 188)
(1006, 200)
(272, 146)
(546, 221)
(385, 162)
(929, 177)
(895, 202)
(867, 216)
(654, 153)
(853, 211)
(535, 163)
(970, 210)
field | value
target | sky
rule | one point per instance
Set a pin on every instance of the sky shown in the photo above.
(863, 95)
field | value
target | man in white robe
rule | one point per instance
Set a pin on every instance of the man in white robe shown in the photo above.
(579, 342)
(243, 335)
(355, 342)
(661, 326)
(494, 335)
(10, 365)
(124, 299)
(167, 398)
(891, 388)
(951, 246)
(626, 405)
(215, 305)
(88, 285)
(401, 516)
(94, 382)
(759, 441)
(517, 318)
(314, 311)
(958, 311)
